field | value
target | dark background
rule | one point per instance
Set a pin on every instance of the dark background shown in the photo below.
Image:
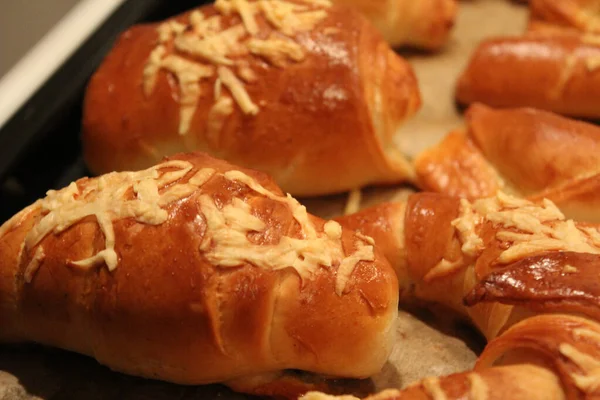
(40, 145)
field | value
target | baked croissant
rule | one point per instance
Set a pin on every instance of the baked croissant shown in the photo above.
(548, 357)
(195, 271)
(301, 89)
(521, 272)
(423, 24)
(484, 258)
(526, 152)
(555, 73)
(570, 15)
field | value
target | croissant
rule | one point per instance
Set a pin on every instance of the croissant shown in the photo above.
(554, 73)
(576, 15)
(424, 24)
(196, 271)
(526, 152)
(303, 90)
(549, 357)
(484, 258)
(521, 272)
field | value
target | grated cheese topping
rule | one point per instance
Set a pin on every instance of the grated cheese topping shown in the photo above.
(202, 44)
(526, 227)
(103, 198)
(353, 202)
(365, 238)
(34, 264)
(168, 29)
(479, 389)
(188, 75)
(589, 380)
(586, 333)
(433, 388)
(592, 63)
(243, 8)
(217, 116)
(276, 50)
(236, 87)
(443, 268)
(225, 242)
(569, 269)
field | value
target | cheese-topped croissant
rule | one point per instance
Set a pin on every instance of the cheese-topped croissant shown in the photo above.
(520, 271)
(424, 24)
(527, 152)
(194, 271)
(304, 90)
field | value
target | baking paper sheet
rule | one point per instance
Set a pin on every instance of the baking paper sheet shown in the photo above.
(425, 346)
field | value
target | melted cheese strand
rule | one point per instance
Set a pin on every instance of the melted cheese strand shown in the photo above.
(479, 389)
(353, 202)
(217, 116)
(215, 48)
(442, 269)
(243, 8)
(34, 264)
(433, 388)
(587, 333)
(205, 40)
(528, 227)
(276, 50)
(66, 207)
(589, 382)
(362, 253)
(188, 75)
(305, 254)
(236, 88)
(151, 69)
(324, 396)
(168, 29)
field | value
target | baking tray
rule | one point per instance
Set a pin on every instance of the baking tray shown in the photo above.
(48, 156)
(39, 145)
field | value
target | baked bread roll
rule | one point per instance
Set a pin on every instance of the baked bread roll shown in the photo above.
(576, 15)
(521, 272)
(425, 24)
(307, 92)
(554, 73)
(545, 357)
(518, 382)
(195, 271)
(496, 260)
(526, 152)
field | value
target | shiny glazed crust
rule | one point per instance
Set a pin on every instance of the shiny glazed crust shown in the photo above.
(527, 152)
(519, 271)
(168, 310)
(554, 73)
(579, 15)
(324, 123)
(423, 24)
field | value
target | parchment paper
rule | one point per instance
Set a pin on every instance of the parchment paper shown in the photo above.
(426, 345)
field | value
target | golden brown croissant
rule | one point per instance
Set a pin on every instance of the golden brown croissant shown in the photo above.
(195, 271)
(484, 258)
(555, 73)
(544, 357)
(527, 152)
(554, 15)
(525, 275)
(424, 24)
(303, 90)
